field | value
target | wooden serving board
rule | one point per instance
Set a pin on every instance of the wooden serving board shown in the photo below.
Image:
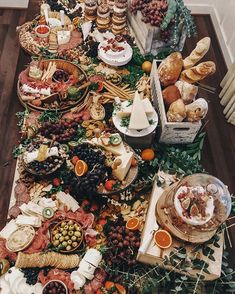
(155, 256)
(184, 232)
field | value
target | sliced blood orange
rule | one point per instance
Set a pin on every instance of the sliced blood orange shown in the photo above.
(80, 168)
(133, 224)
(162, 239)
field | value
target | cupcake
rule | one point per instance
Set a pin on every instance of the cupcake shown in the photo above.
(103, 17)
(90, 9)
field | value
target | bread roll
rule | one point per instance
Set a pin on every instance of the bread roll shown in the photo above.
(188, 91)
(197, 54)
(177, 111)
(198, 73)
(170, 94)
(170, 69)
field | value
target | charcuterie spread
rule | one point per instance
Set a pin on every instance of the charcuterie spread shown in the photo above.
(89, 157)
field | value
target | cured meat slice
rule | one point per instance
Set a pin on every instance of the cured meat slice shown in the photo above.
(23, 198)
(14, 211)
(19, 189)
(4, 252)
(76, 34)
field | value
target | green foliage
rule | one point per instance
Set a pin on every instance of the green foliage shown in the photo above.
(49, 116)
(21, 116)
(169, 15)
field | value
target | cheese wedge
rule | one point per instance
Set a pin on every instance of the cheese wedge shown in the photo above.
(138, 120)
(146, 104)
(63, 37)
(148, 108)
(116, 150)
(121, 171)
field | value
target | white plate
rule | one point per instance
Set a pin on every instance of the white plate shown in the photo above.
(135, 133)
(113, 58)
(54, 22)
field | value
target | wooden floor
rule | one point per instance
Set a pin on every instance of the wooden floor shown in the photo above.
(218, 154)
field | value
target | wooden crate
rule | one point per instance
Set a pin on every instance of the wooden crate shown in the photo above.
(155, 256)
(170, 132)
(147, 36)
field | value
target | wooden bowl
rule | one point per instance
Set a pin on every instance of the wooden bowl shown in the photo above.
(58, 225)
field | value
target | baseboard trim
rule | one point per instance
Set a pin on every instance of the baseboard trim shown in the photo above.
(208, 9)
(14, 4)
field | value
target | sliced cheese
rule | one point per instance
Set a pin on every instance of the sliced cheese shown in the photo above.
(125, 111)
(63, 37)
(116, 150)
(138, 120)
(31, 156)
(67, 200)
(121, 171)
(28, 220)
(8, 229)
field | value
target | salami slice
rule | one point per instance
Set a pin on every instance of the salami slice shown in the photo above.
(23, 197)
(19, 189)
(14, 211)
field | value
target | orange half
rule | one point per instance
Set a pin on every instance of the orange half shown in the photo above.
(163, 239)
(133, 224)
(80, 168)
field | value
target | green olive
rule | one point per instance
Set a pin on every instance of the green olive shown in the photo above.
(74, 244)
(66, 238)
(74, 238)
(70, 223)
(64, 233)
(64, 243)
(66, 227)
(55, 232)
(61, 239)
(70, 242)
(78, 228)
(57, 236)
(77, 234)
(68, 248)
(61, 229)
(56, 243)
(71, 228)
(63, 224)
(70, 233)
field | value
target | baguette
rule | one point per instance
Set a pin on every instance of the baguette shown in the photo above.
(198, 73)
(198, 53)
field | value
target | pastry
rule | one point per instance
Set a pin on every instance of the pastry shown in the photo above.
(90, 9)
(103, 17)
(170, 69)
(177, 111)
(188, 91)
(170, 94)
(111, 4)
(198, 53)
(119, 17)
(199, 72)
(197, 110)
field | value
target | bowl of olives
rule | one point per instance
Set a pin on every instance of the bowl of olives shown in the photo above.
(67, 236)
(55, 286)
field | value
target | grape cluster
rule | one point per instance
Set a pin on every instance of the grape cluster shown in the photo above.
(123, 245)
(31, 275)
(153, 12)
(63, 131)
(97, 170)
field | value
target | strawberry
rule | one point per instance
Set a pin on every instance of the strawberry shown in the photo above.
(56, 182)
(109, 185)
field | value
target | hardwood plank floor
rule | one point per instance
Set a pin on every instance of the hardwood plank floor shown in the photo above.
(218, 153)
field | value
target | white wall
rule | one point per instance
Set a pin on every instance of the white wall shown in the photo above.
(222, 13)
(21, 4)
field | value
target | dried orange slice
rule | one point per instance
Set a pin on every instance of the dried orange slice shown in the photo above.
(162, 239)
(80, 168)
(133, 224)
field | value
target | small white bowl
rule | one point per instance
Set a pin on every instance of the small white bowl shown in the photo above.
(58, 281)
(42, 35)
